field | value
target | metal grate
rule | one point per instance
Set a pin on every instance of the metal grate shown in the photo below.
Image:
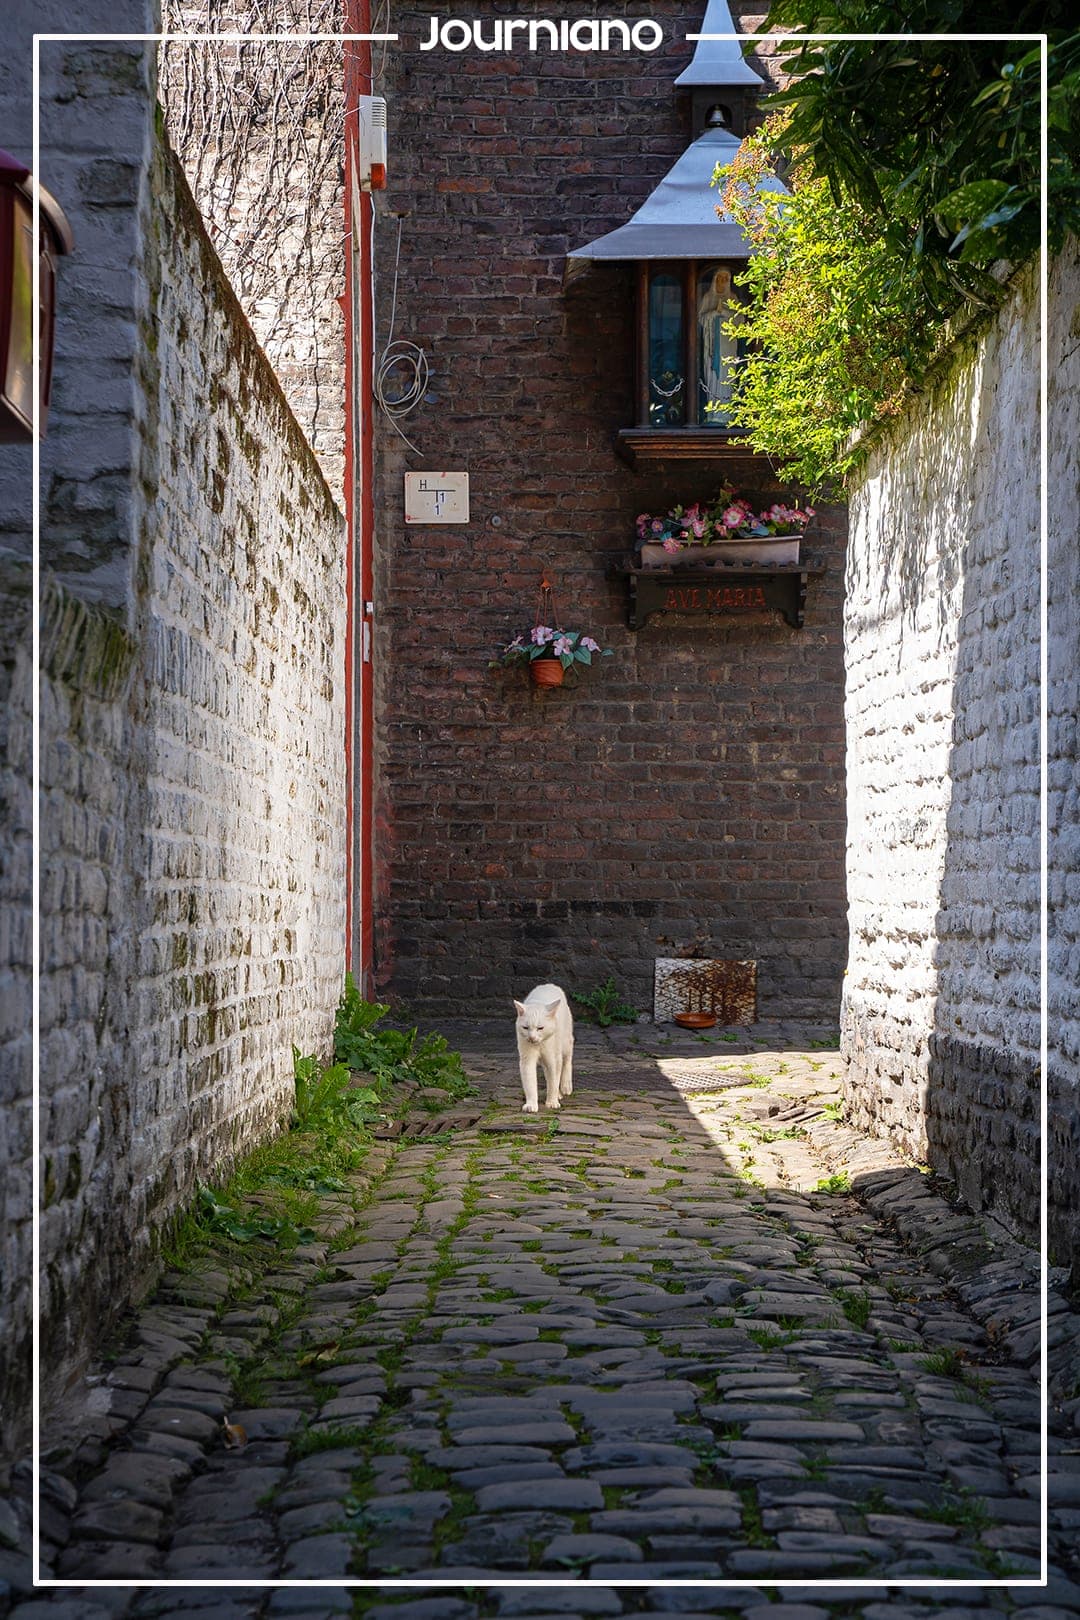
(686, 1079)
(726, 988)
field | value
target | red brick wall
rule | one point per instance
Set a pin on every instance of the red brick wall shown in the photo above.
(689, 786)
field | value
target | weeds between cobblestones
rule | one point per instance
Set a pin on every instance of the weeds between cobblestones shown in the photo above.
(581, 1348)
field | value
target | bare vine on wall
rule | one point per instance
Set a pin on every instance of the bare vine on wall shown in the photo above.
(259, 128)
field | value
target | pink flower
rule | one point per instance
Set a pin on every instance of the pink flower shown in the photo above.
(542, 633)
(671, 544)
(589, 644)
(699, 526)
(562, 645)
(734, 517)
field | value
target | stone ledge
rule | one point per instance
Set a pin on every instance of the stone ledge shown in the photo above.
(82, 645)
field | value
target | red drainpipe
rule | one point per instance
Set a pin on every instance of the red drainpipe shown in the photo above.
(359, 509)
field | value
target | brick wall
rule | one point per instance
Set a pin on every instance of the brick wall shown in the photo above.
(1063, 748)
(691, 785)
(192, 719)
(941, 1003)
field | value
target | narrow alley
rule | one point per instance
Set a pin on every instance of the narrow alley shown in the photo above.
(523, 506)
(689, 1328)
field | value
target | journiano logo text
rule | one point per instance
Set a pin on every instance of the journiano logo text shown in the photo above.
(542, 34)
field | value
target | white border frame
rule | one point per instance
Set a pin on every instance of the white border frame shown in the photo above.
(920, 1583)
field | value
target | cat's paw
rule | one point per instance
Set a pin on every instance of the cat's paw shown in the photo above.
(554, 1104)
(565, 1090)
(530, 1108)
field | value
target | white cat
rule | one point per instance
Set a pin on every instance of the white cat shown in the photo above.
(545, 1036)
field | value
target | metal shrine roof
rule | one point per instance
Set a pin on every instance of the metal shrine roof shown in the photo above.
(718, 62)
(679, 219)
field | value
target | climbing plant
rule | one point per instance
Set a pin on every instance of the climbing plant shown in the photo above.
(831, 329)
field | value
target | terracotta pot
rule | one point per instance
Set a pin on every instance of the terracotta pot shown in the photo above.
(760, 548)
(547, 672)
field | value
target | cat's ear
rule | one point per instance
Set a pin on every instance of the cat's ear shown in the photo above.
(553, 1007)
(520, 1005)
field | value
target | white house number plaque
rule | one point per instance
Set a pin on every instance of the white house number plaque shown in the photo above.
(436, 497)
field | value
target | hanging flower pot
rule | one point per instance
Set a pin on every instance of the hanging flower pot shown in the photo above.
(547, 672)
(547, 648)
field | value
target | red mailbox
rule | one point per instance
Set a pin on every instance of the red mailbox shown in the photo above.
(17, 294)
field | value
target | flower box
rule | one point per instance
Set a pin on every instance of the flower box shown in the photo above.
(756, 548)
(726, 531)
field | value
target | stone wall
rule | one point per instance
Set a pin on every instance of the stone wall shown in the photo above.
(941, 1001)
(688, 789)
(1063, 750)
(259, 129)
(192, 821)
(16, 993)
(110, 108)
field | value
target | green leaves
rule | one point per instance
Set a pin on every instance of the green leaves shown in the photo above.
(388, 1055)
(977, 212)
(568, 646)
(920, 132)
(977, 197)
(605, 1004)
(320, 1093)
(915, 169)
(830, 334)
(276, 1188)
(218, 1215)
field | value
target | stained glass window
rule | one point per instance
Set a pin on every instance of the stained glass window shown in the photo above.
(667, 364)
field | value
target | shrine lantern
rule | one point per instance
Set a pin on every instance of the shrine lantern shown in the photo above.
(686, 256)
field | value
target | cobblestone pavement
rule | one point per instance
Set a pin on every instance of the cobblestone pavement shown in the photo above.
(688, 1328)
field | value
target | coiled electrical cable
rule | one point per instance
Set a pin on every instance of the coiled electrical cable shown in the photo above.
(405, 363)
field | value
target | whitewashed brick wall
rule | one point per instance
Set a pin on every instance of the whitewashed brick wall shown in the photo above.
(1063, 752)
(940, 1016)
(108, 106)
(15, 997)
(193, 824)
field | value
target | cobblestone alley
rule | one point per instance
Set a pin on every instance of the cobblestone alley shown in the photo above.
(690, 1328)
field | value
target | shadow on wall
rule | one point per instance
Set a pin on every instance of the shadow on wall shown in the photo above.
(1063, 778)
(982, 1105)
(941, 1009)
